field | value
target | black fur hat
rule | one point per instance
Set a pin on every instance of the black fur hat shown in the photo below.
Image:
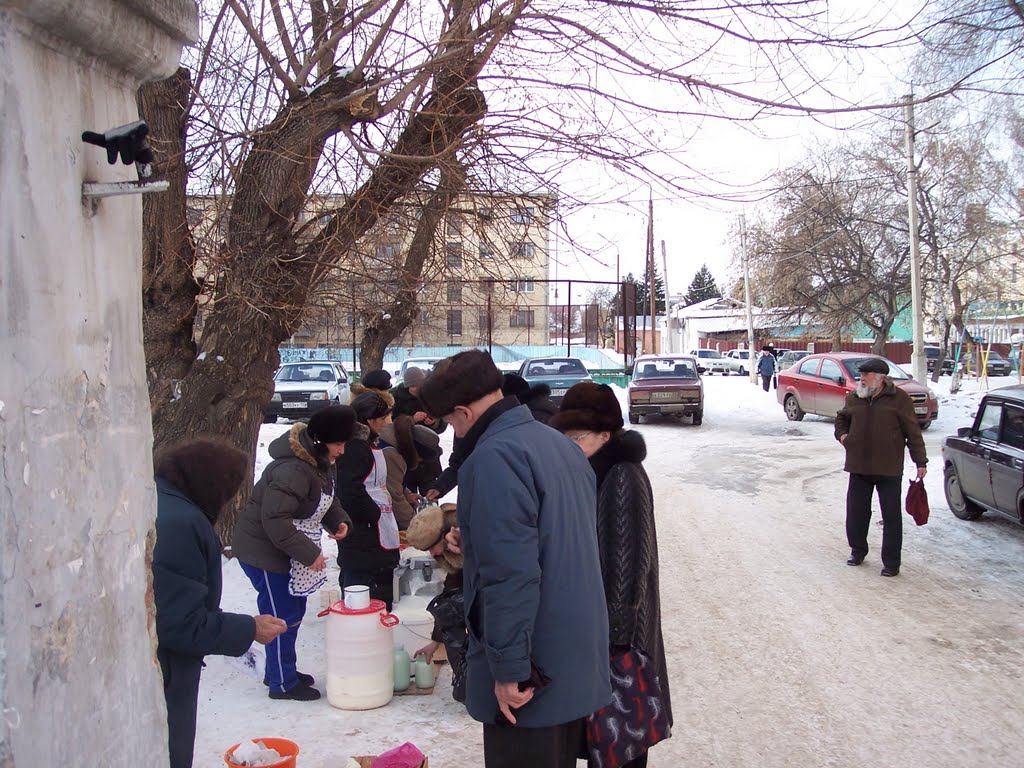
(515, 385)
(379, 379)
(333, 424)
(589, 406)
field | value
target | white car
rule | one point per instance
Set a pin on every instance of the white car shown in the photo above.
(738, 360)
(303, 388)
(710, 361)
(425, 364)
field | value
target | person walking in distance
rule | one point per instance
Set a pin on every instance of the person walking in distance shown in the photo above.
(766, 367)
(537, 662)
(875, 426)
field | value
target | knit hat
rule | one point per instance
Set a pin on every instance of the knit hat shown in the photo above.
(333, 424)
(589, 406)
(873, 365)
(370, 405)
(379, 379)
(413, 376)
(515, 385)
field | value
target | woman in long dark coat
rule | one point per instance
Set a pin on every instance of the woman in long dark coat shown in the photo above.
(592, 416)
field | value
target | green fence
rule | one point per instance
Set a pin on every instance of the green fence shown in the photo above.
(618, 379)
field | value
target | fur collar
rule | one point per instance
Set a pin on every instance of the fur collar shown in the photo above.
(629, 446)
(361, 432)
(298, 441)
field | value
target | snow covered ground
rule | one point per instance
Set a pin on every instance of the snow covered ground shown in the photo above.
(779, 654)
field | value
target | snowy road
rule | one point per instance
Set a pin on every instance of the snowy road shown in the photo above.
(779, 653)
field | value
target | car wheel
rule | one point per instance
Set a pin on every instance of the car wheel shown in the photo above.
(268, 419)
(698, 418)
(793, 410)
(925, 425)
(634, 418)
(743, 371)
(959, 504)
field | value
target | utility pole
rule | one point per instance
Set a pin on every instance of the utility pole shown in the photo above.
(669, 346)
(918, 361)
(752, 362)
(650, 268)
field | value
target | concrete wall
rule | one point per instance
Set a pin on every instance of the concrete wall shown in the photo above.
(79, 685)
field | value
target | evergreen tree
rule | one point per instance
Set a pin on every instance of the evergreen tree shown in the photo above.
(703, 287)
(643, 308)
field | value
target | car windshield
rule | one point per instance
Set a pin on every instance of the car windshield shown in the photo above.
(665, 368)
(853, 364)
(993, 355)
(714, 354)
(426, 365)
(565, 366)
(305, 372)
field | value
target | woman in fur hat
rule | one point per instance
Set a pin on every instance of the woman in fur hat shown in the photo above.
(591, 415)
(194, 480)
(369, 555)
(277, 539)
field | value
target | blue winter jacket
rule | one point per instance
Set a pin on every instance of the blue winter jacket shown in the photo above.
(533, 588)
(766, 365)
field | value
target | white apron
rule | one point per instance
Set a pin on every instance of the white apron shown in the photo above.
(376, 483)
(304, 580)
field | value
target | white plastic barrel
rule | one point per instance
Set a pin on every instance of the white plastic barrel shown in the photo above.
(360, 666)
(413, 629)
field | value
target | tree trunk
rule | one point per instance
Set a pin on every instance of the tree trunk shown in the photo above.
(169, 288)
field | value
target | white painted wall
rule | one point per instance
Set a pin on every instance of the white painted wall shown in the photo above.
(79, 684)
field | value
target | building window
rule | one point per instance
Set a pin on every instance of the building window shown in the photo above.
(523, 215)
(523, 285)
(454, 322)
(522, 250)
(521, 318)
(483, 320)
(485, 214)
(487, 286)
(388, 251)
(454, 226)
(454, 255)
(454, 293)
(486, 250)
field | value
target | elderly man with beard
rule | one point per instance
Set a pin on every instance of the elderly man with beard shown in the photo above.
(875, 426)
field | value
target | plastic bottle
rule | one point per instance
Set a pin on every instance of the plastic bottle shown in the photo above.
(402, 668)
(424, 673)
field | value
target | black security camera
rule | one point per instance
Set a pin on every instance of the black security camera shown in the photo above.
(128, 141)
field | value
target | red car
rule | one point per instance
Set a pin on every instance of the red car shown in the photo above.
(819, 384)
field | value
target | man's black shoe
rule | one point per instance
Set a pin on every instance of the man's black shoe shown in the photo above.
(887, 571)
(298, 693)
(855, 560)
(304, 679)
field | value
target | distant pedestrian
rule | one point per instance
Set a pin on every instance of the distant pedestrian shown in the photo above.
(537, 663)
(537, 397)
(875, 426)
(766, 367)
(408, 403)
(194, 480)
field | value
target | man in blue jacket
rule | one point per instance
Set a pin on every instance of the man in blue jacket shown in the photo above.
(537, 662)
(194, 480)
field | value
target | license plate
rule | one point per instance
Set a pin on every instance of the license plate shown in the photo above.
(293, 405)
(662, 395)
(921, 411)
(558, 392)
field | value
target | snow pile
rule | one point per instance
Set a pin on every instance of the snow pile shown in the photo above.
(254, 753)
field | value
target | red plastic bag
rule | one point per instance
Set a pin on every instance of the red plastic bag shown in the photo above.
(917, 502)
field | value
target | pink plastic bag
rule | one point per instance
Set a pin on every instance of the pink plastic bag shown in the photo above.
(405, 756)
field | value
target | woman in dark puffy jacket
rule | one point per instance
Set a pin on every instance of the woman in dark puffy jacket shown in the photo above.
(591, 415)
(369, 554)
(277, 538)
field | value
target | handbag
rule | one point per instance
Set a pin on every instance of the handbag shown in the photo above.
(917, 502)
(635, 720)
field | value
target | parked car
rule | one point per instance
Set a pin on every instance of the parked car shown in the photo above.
(669, 385)
(559, 373)
(997, 365)
(709, 361)
(983, 464)
(790, 356)
(301, 389)
(738, 361)
(426, 364)
(932, 353)
(819, 384)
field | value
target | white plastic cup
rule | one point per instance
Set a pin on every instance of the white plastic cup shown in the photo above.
(357, 597)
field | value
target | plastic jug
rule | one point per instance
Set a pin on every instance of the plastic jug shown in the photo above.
(424, 673)
(359, 656)
(402, 669)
